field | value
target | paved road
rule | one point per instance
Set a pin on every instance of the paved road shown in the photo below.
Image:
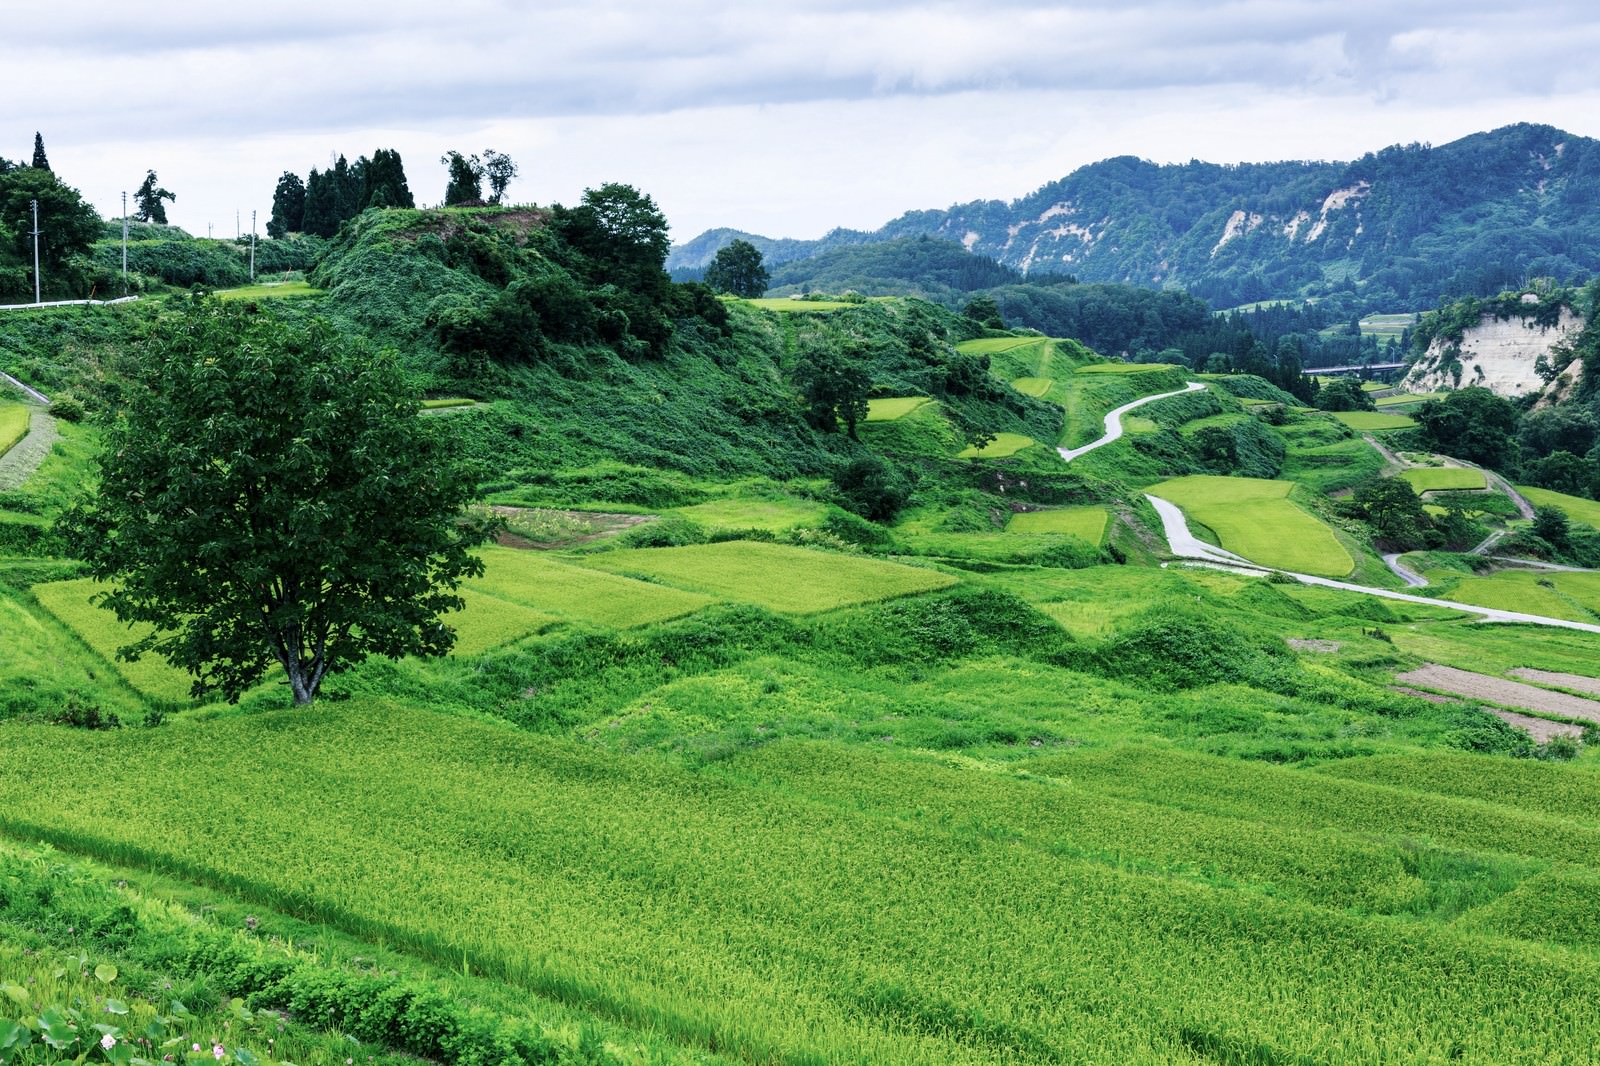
(1404, 573)
(1114, 421)
(1540, 564)
(1184, 545)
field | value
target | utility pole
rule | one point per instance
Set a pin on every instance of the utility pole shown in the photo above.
(124, 244)
(35, 205)
(252, 246)
(237, 232)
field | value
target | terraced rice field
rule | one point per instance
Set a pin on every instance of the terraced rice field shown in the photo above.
(1586, 512)
(1004, 444)
(1254, 518)
(775, 576)
(1032, 386)
(1086, 523)
(14, 418)
(489, 621)
(549, 585)
(270, 291)
(1445, 478)
(772, 515)
(1558, 594)
(69, 602)
(889, 408)
(1373, 421)
(1405, 398)
(818, 902)
(791, 304)
(1125, 368)
(996, 345)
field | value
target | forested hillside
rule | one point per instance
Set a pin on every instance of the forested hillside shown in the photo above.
(1396, 229)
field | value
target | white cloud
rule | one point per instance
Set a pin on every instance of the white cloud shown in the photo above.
(778, 117)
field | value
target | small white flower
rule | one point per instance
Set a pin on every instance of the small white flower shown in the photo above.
(108, 1041)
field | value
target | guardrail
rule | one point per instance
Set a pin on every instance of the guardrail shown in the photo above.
(27, 390)
(68, 303)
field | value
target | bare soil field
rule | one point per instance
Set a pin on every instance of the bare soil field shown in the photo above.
(1498, 690)
(1576, 682)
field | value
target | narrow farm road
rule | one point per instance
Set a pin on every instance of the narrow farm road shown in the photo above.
(1524, 508)
(1114, 421)
(1410, 577)
(19, 463)
(1184, 545)
(1540, 564)
(1393, 464)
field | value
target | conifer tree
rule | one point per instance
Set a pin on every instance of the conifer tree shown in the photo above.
(40, 162)
(149, 197)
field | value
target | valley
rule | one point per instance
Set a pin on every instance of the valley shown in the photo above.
(846, 679)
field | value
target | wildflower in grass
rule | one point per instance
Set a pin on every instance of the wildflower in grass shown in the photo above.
(217, 1052)
(108, 1041)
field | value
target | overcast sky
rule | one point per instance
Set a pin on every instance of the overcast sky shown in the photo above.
(781, 118)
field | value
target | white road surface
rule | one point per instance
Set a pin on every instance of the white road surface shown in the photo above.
(1186, 546)
(1114, 421)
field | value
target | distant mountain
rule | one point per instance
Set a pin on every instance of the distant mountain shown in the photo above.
(1396, 229)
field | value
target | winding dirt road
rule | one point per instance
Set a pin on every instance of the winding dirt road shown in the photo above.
(1113, 421)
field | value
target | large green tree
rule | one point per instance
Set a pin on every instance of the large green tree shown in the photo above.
(147, 199)
(1472, 424)
(466, 179)
(833, 383)
(288, 207)
(268, 494)
(499, 169)
(40, 160)
(67, 225)
(738, 269)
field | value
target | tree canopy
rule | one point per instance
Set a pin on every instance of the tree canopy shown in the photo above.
(465, 186)
(499, 169)
(1472, 424)
(67, 225)
(148, 200)
(268, 494)
(288, 206)
(40, 160)
(738, 269)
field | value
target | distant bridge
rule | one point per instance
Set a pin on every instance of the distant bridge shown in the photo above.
(1354, 369)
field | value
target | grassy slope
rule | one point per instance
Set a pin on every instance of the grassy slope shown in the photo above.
(1578, 509)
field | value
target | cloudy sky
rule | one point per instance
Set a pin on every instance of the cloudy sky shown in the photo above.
(783, 118)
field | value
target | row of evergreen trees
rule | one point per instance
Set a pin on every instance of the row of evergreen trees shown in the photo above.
(325, 199)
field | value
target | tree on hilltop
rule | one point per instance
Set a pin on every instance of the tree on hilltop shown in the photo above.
(148, 200)
(833, 384)
(40, 161)
(738, 269)
(384, 181)
(466, 179)
(499, 169)
(68, 225)
(268, 494)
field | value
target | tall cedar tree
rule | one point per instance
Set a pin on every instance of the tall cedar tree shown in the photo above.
(268, 494)
(288, 207)
(148, 200)
(385, 181)
(40, 161)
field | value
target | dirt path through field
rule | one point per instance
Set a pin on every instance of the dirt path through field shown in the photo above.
(1392, 462)
(1114, 421)
(19, 464)
(1404, 573)
(1499, 690)
(1575, 682)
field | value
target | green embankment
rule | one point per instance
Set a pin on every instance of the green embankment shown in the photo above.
(1003, 445)
(1255, 519)
(889, 408)
(1086, 523)
(1373, 421)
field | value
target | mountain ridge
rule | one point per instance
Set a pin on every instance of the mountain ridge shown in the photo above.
(1400, 227)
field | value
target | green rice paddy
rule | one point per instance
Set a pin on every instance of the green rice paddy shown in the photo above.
(1032, 386)
(772, 515)
(1004, 444)
(1583, 511)
(69, 602)
(1373, 421)
(774, 576)
(1125, 368)
(551, 586)
(1445, 478)
(14, 419)
(1086, 523)
(889, 408)
(1254, 518)
(270, 291)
